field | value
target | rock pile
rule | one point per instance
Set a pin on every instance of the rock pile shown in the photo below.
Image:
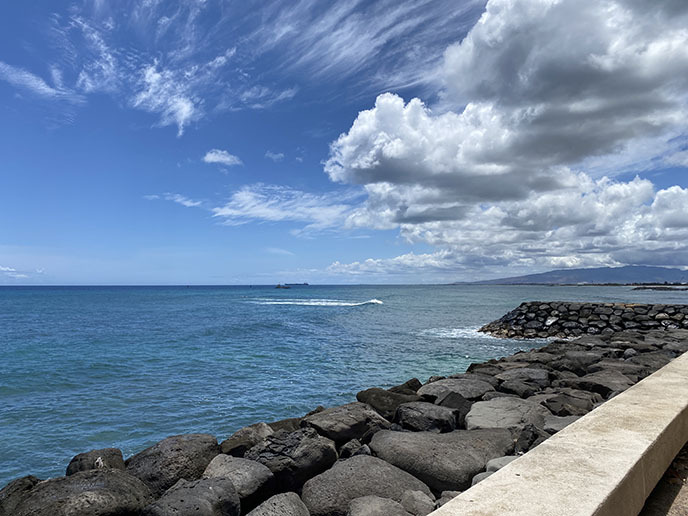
(401, 451)
(563, 319)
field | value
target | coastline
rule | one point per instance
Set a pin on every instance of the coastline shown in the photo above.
(500, 407)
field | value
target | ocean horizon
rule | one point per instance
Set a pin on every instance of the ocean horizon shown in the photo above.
(87, 367)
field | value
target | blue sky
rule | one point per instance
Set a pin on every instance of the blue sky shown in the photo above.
(214, 142)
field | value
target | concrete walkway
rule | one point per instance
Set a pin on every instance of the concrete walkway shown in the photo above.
(670, 497)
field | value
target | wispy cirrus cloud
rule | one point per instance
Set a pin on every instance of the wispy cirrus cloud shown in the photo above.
(222, 157)
(33, 84)
(274, 203)
(11, 272)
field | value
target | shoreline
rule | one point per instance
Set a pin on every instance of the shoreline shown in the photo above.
(501, 407)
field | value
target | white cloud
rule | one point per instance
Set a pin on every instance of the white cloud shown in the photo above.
(279, 251)
(162, 92)
(184, 201)
(540, 101)
(32, 83)
(272, 203)
(222, 157)
(274, 156)
(11, 272)
(386, 43)
(101, 70)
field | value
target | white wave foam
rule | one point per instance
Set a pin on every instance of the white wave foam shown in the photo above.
(454, 333)
(314, 302)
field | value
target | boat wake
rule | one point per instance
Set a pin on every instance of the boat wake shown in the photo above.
(314, 302)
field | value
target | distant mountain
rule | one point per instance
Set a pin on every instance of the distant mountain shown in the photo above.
(625, 275)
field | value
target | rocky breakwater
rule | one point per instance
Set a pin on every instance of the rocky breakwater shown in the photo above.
(401, 451)
(564, 319)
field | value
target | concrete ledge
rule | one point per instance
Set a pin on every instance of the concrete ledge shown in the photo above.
(604, 464)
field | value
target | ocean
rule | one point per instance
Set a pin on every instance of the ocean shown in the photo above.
(93, 367)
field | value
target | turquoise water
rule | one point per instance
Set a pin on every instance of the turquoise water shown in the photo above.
(93, 367)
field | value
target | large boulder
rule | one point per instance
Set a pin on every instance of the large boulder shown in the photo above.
(96, 459)
(350, 421)
(294, 457)
(408, 387)
(603, 382)
(634, 372)
(564, 404)
(330, 493)
(372, 505)
(15, 493)
(417, 503)
(96, 492)
(180, 456)
(290, 424)
(457, 402)
(505, 413)
(469, 388)
(245, 438)
(253, 481)
(539, 377)
(422, 416)
(285, 504)
(385, 402)
(204, 497)
(443, 461)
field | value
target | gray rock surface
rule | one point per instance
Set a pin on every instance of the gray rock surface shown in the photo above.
(96, 492)
(245, 438)
(505, 413)
(253, 481)
(471, 389)
(417, 503)
(330, 493)
(385, 402)
(455, 401)
(15, 493)
(376, 506)
(500, 462)
(554, 424)
(350, 421)
(602, 382)
(180, 456)
(290, 424)
(443, 461)
(421, 416)
(96, 459)
(204, 497)
(285, 504)
(481, 476)
(446, 496)
(294, 457)
(539, 377)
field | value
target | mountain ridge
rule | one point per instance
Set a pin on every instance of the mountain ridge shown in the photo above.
(628, 274)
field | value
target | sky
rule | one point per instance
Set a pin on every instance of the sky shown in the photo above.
(390, 141)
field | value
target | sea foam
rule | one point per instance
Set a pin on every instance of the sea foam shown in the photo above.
(314, 302)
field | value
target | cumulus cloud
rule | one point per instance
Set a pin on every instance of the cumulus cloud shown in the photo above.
(274, 156)
(222, 157)
(541, 104)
